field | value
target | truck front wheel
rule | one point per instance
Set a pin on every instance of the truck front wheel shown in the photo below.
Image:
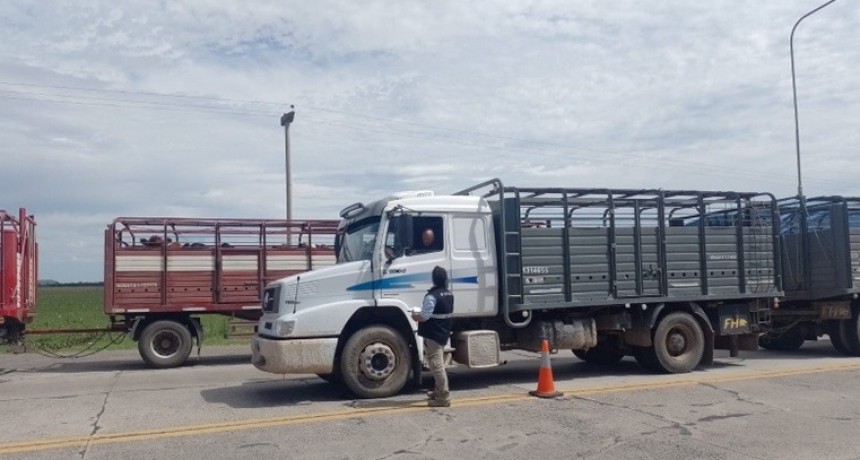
(678, 345)
(375, 362)
(165, 344)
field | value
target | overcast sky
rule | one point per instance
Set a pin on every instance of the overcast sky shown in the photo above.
(133, 108)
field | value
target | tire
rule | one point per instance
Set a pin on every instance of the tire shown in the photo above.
(678, 343)
(790, 340)
(164, 344)
(604, 354)
(375, 362)
(837, 337)
(851, 333)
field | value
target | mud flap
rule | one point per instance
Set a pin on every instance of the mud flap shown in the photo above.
(197, 330)
(708, 355)
(745, 342)
(135, 329)
(416, 370)
(708, 331)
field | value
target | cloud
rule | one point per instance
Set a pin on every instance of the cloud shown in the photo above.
(405, 95)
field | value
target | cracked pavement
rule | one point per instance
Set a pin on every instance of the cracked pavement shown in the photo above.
(732, 410)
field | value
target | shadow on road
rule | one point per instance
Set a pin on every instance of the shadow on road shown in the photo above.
(274, 393)
(306, 390)
(109, 364)
(564, 365)
(811, 349)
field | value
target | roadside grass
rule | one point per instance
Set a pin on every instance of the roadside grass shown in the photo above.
(81, 307)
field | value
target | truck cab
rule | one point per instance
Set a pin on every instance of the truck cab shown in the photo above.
(351, 321)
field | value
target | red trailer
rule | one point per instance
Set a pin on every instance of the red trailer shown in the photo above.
(162, 273)
(18, 273)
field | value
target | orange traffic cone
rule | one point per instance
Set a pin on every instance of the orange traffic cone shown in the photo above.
(545, 386)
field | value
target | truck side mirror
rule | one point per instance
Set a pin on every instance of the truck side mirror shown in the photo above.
(404, 232)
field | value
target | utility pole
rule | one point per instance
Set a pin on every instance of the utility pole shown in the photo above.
(804, 216)
(286, 120)
(794, 90)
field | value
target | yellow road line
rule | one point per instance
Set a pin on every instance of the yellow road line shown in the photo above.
(196, 430)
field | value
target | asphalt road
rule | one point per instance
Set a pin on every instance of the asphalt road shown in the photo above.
(763, 405)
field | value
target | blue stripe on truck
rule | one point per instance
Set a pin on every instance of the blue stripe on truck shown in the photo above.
(405, 282)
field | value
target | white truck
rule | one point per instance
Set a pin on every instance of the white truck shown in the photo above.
(664, 276)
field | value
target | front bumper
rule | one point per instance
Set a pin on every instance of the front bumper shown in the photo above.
(293, 356)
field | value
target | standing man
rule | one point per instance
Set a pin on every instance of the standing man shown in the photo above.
(434, 324)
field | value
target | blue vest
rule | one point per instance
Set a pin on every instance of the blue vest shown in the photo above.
(438, 327)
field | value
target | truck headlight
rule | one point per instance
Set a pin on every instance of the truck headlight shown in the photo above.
(284, 328)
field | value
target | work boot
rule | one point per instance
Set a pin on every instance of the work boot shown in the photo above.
(432, 394)
(439, 403)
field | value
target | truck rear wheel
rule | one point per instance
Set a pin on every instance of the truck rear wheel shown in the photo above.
(678, 345)
(845, 335)
(605, 353)
(375, 362)
(851, 336)
(165, 344)
(837, 333)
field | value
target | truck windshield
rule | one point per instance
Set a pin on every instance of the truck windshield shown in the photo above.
(358, 241)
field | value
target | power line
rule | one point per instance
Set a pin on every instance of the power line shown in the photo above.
(168, 108)
(310, 107)
(352, 124)
(97, 98)
(642, 161)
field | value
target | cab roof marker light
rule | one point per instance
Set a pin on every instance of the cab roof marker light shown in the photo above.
(411, 194)
(352, 210)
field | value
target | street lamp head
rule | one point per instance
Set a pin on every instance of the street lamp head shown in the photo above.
(288, 117)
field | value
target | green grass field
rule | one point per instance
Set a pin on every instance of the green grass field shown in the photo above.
(80, 307)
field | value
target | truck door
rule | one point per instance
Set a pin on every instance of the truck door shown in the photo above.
(414, 245)
(472, 273)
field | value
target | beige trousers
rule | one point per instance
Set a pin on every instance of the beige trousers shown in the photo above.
(435, 354)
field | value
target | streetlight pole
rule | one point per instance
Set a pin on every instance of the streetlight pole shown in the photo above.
(794, 90)
(286, 120)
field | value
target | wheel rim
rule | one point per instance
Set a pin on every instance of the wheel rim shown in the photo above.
(165, 343)
(678, 340)
(378, 361)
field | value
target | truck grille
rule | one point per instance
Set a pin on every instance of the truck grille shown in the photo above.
(271, 299)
